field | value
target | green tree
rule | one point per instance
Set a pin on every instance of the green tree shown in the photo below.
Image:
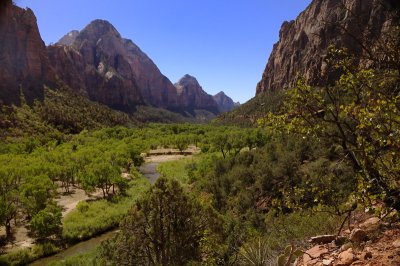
(167, 227)
(220, 142)
(360, 113)
(47, 222)
(35, 192)
(181, 142)
(10, 180)
(101, 174)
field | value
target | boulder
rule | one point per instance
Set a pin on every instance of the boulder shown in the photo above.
(313, 254)
(346, 258)
(322, 239)
(358, 236)
(370, 224)
(327, 262)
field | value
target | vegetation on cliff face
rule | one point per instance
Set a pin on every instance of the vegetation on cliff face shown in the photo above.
(359, 114)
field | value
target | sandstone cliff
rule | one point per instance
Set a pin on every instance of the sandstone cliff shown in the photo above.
(96, 62)
(303, 42)
(224, 102)
(24, 66)
(191, 95)
(114, 70)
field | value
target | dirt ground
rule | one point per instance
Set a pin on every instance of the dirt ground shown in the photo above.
(68, 202)
(166, 155)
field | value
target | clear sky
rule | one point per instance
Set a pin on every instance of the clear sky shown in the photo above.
(225, 44)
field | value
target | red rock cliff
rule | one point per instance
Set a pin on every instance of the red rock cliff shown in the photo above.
(303, 43)
(24, 66)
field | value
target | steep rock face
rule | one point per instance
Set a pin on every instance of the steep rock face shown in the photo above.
(224, 102)
(69, 38)
(303, 43)
(23, 59)
(102, 86)
(103, 76)
(191, 95)
(115, 70)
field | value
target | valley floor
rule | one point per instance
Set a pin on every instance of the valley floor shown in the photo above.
(69, 201)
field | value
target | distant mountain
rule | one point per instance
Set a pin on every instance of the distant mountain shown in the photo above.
(191, 95)
(95, 63)
(69, 38)
(224, 102)
(303, 43)
(249, 112)
(111, 69)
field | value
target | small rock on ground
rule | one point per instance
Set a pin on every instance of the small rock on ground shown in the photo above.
(346, 258)
(313, 253)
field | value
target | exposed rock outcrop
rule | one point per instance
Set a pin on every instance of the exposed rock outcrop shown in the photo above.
(303, 43)
(191, 95)
(69, 38)
(24, 66)
(102, 86)
(224, 102)
(115, 71)
(96, 62)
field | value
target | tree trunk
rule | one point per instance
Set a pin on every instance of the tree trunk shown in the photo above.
(8, 229)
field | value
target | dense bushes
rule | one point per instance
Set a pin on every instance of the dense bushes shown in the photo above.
(287, 175)
(165, 227)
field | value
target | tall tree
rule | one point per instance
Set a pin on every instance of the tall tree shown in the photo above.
(165, 228)
(360, 113)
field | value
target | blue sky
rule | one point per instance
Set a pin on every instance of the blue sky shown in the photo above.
(225, 44)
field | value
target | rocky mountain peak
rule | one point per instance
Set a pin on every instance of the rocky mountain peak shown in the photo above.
(97, 29)
(220, 94)
(192, 96)
(115, 71)
(187, 81)
(224, 102)
(69, 38)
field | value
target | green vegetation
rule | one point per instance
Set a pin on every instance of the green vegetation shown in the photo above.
(47, 222)
(26, 256)
(176, 169)
(88, 258)
(103, 162)
(165, 227)
(314, 158)
(93, 218)
(247, 114)
(359, 114)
